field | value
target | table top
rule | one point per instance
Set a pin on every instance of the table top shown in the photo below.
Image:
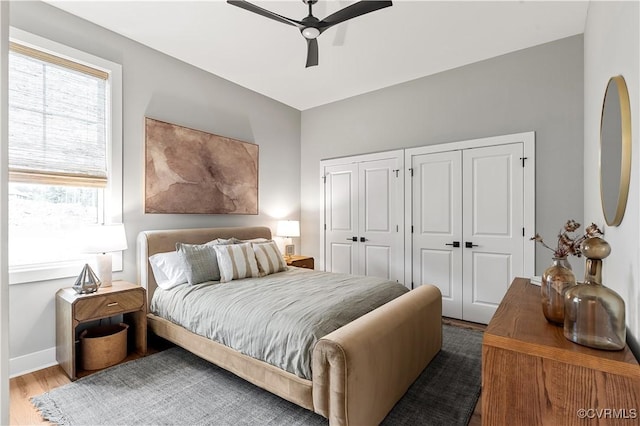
(70, 294)
(520, 325)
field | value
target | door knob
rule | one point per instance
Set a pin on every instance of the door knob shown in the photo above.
(363, 239)
(454, 244)
(469, 244)
(353, 239)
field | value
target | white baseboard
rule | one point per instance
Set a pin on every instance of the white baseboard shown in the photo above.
(32, 362)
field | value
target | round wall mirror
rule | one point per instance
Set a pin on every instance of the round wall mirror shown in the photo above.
(615, 150)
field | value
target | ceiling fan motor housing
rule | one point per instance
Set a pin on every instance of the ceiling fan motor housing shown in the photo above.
(310, 28)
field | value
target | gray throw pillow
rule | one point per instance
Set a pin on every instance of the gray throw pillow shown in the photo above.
(200, 262)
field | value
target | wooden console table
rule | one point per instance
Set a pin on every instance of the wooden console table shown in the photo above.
(533, 375)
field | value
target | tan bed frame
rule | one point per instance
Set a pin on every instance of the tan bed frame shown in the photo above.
(359, 371)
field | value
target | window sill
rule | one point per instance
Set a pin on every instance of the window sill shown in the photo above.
(52, 271)
(45, 272)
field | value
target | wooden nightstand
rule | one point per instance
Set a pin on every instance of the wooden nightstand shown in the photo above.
(73, 309)
(300, 261)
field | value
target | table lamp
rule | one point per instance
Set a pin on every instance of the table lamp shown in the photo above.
(288, 229)
(102, 240)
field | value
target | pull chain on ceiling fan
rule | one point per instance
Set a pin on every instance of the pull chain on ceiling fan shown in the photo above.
(311, 27)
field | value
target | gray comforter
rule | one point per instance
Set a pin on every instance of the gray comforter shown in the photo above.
(277, 318)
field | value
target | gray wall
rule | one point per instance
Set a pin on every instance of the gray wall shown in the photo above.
(537, 89)
(161, 87)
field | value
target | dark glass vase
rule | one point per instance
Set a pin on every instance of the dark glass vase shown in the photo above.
(556, 279)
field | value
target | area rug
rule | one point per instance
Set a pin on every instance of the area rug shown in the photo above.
(174, 387)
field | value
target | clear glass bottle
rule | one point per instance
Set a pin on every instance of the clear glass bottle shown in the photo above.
(556, 279)
(594, 314)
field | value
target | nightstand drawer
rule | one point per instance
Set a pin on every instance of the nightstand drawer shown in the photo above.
(110, 304)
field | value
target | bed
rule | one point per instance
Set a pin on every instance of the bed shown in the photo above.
(357, 372)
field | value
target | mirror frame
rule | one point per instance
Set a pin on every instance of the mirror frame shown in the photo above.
(625, 160)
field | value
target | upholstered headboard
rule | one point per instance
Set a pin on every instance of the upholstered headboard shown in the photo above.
(152, 242)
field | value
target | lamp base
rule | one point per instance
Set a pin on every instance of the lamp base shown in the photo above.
(103, 262)
(289, 250)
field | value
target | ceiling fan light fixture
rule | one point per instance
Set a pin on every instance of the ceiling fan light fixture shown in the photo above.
(310, 33)
(311, 27)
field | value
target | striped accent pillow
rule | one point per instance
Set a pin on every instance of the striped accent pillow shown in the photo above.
(269, 258)
(236, 261)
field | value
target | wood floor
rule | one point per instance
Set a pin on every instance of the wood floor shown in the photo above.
(21, 412)
(41, 381)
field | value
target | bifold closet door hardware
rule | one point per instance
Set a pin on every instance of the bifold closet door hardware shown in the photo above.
(355, 239)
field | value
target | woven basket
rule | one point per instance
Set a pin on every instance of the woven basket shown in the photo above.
(103, 346)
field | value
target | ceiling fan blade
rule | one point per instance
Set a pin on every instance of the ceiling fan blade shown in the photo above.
(312, 53)
(264, 12)
(341, 31)
(353, 11)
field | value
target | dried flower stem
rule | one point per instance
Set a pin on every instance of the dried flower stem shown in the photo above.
(569, 244)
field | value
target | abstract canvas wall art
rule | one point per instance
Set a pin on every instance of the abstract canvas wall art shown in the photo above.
(191, 171)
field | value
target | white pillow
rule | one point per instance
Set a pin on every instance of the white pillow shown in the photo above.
(269, 258)
(168, 269)
(236, 261)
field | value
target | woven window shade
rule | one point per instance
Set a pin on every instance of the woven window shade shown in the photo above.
(57, 120)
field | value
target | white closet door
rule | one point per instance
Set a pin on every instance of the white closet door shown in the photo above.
(341, 218)
(380, 239)
(493, 223)
(436, 210)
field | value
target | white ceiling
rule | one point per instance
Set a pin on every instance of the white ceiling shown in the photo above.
(409, 40)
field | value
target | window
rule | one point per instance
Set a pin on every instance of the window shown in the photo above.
(64, 162)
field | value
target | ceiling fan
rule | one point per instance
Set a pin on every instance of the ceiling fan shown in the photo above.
(310, 26)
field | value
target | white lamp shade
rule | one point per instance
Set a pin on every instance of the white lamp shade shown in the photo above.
(288, 228)
(104, 239)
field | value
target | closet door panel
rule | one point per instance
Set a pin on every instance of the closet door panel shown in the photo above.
(376, 203)
(492, 223)
(436, 207)
(491, 196)
(341, 207)
(341, 218)
(341, 258)
(437, 267)
(380, 237)
(377, 261)
(489, 272)
(433, 189)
